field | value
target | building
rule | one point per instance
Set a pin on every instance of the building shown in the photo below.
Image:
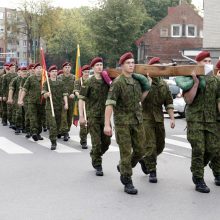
(211, 41)
(180, 30)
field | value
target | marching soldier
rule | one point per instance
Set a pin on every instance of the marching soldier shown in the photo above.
(59, 98)
(32, 86)
(201, 114)
(67, 115)
(77, 86)
(93, 94)
(125, 97)
(158, 96)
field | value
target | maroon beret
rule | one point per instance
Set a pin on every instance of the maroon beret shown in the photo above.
(36, 65)
(85, 67)
(96, 60)
(31, 66)
(67, 64)
(11, 64)
(60, 72)
(218, 65)
(6, 64)
(202, 55)
(53, 67)
(24, 68)
(19, 68)
(125, 57)
(154, 60)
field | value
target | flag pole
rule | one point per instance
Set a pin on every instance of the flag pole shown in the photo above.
(48, 83)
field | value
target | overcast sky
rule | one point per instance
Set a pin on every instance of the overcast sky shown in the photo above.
(71, 3)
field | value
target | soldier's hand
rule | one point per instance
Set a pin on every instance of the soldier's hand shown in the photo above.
(71, 96)
(66, 106)
(108, 130)
(82, 121)
(195, 79)
(10, 101)
(20, 102)
(0, 99)
(172, 123)
(46, 95)
(4, 99)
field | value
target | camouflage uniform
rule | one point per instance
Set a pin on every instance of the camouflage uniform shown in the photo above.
(201, 126)
(58, 91)
(5, 89)
(95, 105)
(66, 119)
(32, 86)
(1, 110)
(158, 96)
(83, 129)
(125, 96)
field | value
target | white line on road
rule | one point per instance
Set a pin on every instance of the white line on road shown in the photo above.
(175, 155)
(180, 136)
(178, 143)
(11, 147)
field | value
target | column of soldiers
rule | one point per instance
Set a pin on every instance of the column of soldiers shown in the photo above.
(137, 103)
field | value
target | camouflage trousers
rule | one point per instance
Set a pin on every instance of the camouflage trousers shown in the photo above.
(1, 110)
(26, 117)
(4, 112)
(154, 143)
(100, 142)
(204, 142)
(54, 123)
(130, 139)
(18, 116)
(10, 108)
(67, 118)
(83, 134)
(35, 114)
(215, 162)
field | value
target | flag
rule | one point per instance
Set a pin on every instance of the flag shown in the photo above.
(77, 77)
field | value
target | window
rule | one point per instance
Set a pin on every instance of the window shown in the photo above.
(191, 30)
(24, 43)
(1, 15)
(164, 32)
(176, 30)
(25, 55)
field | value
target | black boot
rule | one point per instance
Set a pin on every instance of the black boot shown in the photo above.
(66, 137)
(144, 167)
(59, 136)
(99, 171)
(17, 131)
(217, 180)
(35, 137)
(39, 137)
(28, 135)
(44, 129)
(53, 145)
(84, 146)
(200, 185)
(153, 177)
(129, 187)
(4, 123)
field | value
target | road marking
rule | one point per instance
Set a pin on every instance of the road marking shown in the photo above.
(12, 148)
(180, 136)
(61, 148)
(168, 149)
(76, 138)
(177, 143)
(175, 155)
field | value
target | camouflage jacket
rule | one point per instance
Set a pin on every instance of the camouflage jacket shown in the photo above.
(5, 83)
(1, 80)
(125, 96)
(203, 108)
(58, 91)
(15, 86)
(158, 96)
(77, 85)
(32, 86)
(94, 92)
(68, 82)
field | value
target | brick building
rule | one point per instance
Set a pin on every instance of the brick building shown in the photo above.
(181, 29)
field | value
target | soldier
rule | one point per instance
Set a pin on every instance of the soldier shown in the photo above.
(5, 89)
(59, 98)
(201, 114)
(32, 86)
(2, 72)
(14, 87)
(77, 86)
(158, 96)
(67, 115)
(93, 94)
(125, 97)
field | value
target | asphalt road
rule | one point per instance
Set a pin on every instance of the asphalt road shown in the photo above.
(40, 184)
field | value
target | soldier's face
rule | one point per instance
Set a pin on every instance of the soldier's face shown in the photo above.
(19, 73)
(98, 67)
(38, 70)
(53, 74)
(12, 69)
(24, 74)
(85, 74)
(67, 69)
(128, 66)
(207, 60)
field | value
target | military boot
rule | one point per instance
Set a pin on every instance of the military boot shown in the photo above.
(17, 131)
(217, 180)
(28, 135)
(200, 185)
(66, 137)
(53, 145)
(144, 167)
(4, 123)
(40, 137)
(35, 137)
(153, 177)
(99, 171)
(84, 146)
(128, 185)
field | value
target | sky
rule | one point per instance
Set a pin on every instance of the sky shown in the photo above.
(72, 3)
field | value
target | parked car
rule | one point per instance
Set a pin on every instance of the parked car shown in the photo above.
(178, 100)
